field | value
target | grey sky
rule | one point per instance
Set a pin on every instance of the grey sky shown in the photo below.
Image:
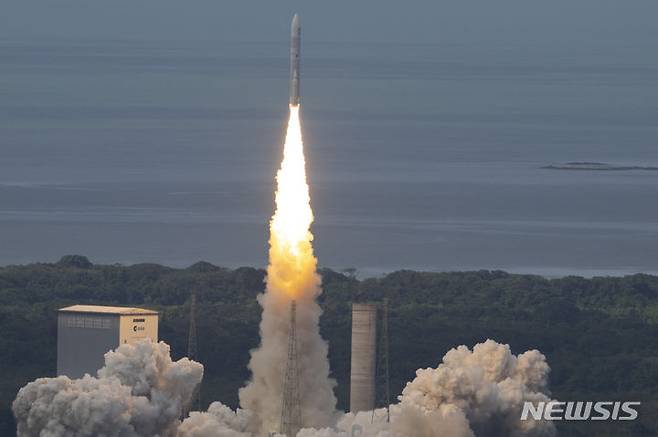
(583, 22)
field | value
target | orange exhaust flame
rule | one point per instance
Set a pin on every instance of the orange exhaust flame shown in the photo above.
(292, 268)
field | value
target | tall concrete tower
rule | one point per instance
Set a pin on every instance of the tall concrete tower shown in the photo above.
(364, 354)
(291, 406)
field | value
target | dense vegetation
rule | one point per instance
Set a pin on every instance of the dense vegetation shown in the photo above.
(600, 335)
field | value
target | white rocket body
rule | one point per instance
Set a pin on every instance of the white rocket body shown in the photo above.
(295, 47)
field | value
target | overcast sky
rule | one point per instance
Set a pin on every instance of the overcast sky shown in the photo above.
(587, 22)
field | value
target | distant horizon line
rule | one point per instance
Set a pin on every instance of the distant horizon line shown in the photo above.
(274, 42)
(362, 273)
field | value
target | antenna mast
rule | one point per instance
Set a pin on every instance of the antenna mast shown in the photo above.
(384, 398)
(195, 402)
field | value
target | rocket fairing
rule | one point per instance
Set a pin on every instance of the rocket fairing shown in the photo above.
(295, 47)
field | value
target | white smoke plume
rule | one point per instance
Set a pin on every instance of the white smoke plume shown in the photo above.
(472, 393)
(263, 394)
(475, 393)
(139, 392)
(218, 421)
(291, 275)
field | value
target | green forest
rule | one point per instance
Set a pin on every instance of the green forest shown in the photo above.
(600, 335)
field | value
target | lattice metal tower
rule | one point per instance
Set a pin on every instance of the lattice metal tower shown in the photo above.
(195, 402)
(291, 407)
(383, 392)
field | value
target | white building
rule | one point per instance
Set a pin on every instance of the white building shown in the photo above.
(86, 332)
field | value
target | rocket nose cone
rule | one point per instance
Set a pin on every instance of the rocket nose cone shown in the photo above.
(295, 21)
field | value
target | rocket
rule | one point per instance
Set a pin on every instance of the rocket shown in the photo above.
(295, 47)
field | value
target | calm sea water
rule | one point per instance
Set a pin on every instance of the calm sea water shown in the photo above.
(420, 156)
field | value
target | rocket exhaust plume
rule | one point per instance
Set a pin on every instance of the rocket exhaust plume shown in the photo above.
(291, 276)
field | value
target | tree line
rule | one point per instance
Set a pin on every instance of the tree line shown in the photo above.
(600, 335)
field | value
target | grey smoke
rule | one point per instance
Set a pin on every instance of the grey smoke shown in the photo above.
(475, 392)
(478, 392)
(218, 421)
(139, 392)
(263, 393)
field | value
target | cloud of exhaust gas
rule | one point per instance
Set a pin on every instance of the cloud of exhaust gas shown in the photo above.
(472, 393)
(291, 275)
(139, 392)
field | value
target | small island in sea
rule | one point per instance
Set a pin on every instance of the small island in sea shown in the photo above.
(597, 166)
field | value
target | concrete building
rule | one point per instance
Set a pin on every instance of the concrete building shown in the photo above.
(86, 332)
(364, 354)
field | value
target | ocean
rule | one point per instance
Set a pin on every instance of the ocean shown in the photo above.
(420, 156)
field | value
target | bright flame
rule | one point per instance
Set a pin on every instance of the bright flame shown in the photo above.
(292, 264)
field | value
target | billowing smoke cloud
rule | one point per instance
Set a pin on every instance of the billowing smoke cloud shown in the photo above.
(218, 421)
(291, 275)
(139, 392)
(477, 392)
(263, 395)
(471, 393)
